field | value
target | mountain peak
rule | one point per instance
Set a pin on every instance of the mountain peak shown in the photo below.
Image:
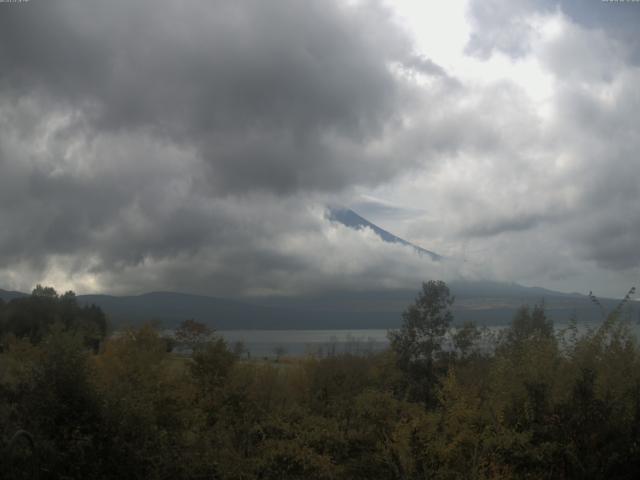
(351, 219)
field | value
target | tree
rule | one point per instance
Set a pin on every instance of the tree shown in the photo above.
(211, 365)
(34, 316)
(55, 401)
(193, 333)
(465, 339)
(418, 343)
(528, 324)
(279, 351)
(44, 292)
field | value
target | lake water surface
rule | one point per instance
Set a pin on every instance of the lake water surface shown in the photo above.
(270, 343)
(265, 343)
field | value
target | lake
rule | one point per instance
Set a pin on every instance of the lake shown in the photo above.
(265, 343)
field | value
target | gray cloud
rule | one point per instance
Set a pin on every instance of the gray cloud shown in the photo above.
(155, 145)
(504, 225)
(604, 137)
(425, 66)
(279, 96)
(584, 193)
(151, 145)
(502, 25)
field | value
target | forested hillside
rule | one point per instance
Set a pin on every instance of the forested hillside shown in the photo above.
(482, 302)
(538, 403)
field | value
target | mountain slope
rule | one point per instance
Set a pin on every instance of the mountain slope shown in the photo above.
(486, 303)
(170, 308)
(8, 295)
(351, 219)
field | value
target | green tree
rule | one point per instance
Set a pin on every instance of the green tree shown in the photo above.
(528, 324)
(48, 387)
(44, 292)
(211, 365)
(466, 338)
(146, 408)
(419, 341)
(33, 317)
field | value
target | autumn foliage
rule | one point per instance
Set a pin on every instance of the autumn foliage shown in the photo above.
(534, 402)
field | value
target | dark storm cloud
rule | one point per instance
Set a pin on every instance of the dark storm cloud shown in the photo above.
(604, 135)
(273, 95)
(191, 145)
(179, 145)
(611, 241)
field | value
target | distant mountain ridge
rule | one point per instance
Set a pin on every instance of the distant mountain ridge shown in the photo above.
(8, 295)
(351, 219)
(486, 303)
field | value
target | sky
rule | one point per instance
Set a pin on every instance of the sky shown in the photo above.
(194, 146)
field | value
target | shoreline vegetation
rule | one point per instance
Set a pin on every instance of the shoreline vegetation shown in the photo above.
(541, 402)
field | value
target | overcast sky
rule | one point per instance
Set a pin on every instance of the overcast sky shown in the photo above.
(194, 145)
